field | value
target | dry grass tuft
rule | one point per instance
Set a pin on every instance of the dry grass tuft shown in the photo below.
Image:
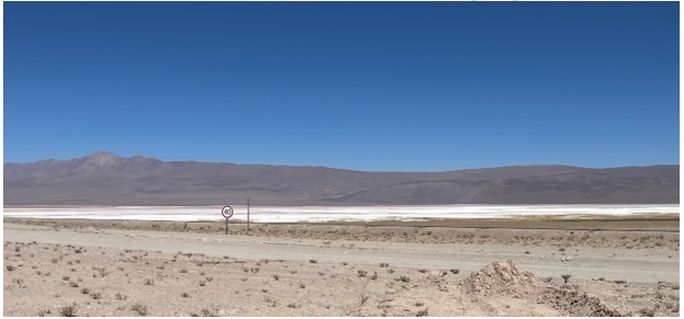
(140, 309)
(404, 279)
(566, 277)
(68, 311)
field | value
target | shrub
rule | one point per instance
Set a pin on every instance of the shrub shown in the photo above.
(185, 295)
(140, 308)
(565, 278)
(213, 312)
(404, 279)
(313, 261)
(68, 311)
(374, 276)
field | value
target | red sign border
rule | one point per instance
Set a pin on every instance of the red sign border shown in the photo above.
(232, 211)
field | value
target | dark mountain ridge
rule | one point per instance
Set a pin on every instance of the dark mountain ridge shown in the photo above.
(104, 178)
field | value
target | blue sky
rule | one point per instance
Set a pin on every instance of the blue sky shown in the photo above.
(371, 86)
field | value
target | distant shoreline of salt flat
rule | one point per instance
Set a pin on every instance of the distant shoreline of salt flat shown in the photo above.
(294, 214)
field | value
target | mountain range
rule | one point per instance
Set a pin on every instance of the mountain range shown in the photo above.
(104, 178)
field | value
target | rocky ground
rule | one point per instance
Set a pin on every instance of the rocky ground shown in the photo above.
(97, 271)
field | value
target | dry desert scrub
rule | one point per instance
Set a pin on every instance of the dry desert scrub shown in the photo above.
(140, 309)
(68, 311)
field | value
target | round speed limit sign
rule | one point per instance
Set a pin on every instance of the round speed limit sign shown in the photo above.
(227, 211)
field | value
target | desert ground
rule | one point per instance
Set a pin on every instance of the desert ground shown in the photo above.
(526, 266)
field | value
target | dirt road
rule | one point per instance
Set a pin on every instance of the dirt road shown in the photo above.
(649, 265)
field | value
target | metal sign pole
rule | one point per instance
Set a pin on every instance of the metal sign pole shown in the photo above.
(227, 213)
(248, 199)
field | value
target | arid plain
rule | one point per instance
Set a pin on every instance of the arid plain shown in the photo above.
(537, 267)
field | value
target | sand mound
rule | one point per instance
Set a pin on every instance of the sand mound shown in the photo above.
(503, 278)
(577, 303)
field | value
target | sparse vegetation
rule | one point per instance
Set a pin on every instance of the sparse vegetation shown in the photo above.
(213, 312)
(566, 277)
(270, 301)
(140, 309)
(68, 311)
(404, 279)
(148, 282)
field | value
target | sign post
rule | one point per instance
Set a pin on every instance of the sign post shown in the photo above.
(227, 213)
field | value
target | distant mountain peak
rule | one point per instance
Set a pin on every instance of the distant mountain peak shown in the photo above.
(103, 154)
(101, 158)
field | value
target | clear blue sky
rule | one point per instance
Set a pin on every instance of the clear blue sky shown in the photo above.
(371, 86)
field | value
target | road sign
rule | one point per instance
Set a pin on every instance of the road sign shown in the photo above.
(227, 211)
